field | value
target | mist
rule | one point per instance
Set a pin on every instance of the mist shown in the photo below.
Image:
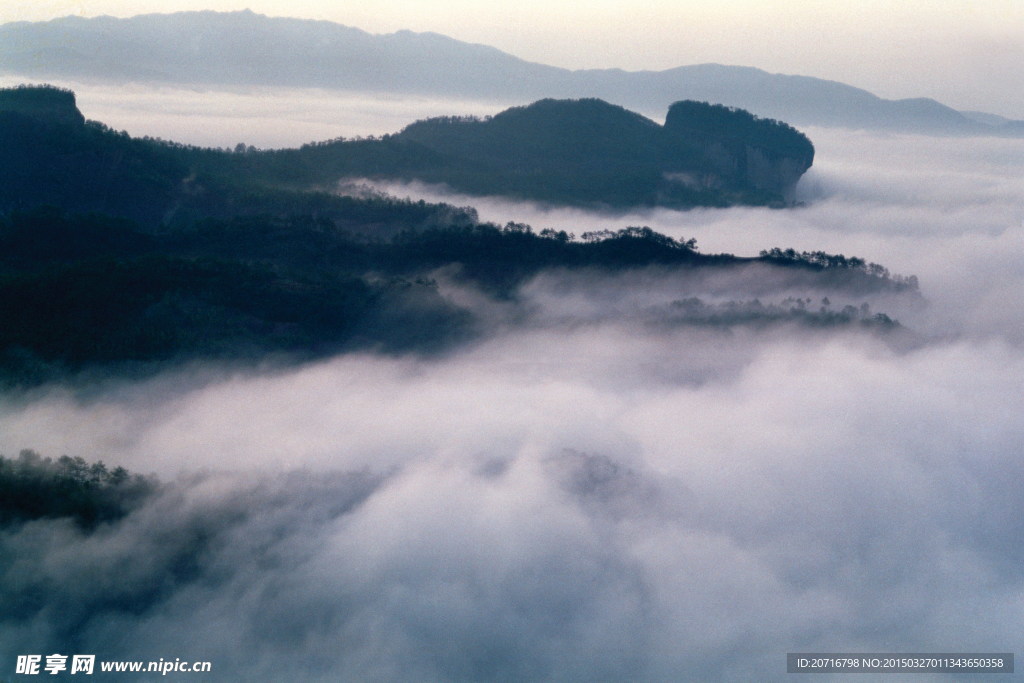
(949, 210)
(598, 487)
(267, 118)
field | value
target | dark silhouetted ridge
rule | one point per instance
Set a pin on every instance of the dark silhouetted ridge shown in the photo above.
(588, 151)
(43, 102)
(129, 255)
(585, 152)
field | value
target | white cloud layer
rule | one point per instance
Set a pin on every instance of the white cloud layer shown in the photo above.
(583, 495)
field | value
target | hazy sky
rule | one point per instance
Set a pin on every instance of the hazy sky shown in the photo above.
(965, 53)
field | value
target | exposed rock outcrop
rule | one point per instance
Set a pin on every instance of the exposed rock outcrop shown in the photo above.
(589, 151)
(743, 151)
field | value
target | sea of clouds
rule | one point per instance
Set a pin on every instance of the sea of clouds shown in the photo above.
(583, 493)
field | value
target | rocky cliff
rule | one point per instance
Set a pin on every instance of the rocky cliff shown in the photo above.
(741, 150)
(589, 151)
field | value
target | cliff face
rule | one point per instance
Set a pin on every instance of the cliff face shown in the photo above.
(741, 150)
(589, 151)
(743, 166)
(779, 175)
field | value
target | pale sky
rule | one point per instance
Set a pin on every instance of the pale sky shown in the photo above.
(968, 54)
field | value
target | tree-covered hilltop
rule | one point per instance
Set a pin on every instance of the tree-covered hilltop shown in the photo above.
(80, 293)
(42, 101)
(567, 152)
(591, 152)
(49, 157)
(123, 254)
(574, 152)
(33, 487)
(584, 153)
(742, 149)
(729, 123)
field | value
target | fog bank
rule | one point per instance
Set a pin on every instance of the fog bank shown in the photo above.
(267, 118)
(599, 487)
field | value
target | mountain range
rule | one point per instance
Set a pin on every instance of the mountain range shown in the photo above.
(564, 152)
(129, 255)
(247, 49)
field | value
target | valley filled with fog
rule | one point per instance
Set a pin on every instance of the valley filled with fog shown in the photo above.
(607, 482)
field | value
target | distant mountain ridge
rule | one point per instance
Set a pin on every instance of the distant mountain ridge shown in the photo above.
(244, 48)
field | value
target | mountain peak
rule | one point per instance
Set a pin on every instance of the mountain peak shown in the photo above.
(588, 151)
(43, 102)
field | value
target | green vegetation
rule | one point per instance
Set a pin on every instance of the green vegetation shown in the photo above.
(89, 291)
(33, 487)
(42, 101)
(729, 123)
(821, 260)
(232, 290)
(164, 186)
(568, 152)
(122, 254)
(800, 311)
(588, 152)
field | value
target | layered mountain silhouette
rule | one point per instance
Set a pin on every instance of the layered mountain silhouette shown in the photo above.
(124, 255)
(244, 48)
(566, 152)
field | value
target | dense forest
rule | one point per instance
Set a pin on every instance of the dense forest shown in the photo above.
(775, 137)
(566, 152)
(592, 153)
(85, 291)
(34, 487)
(49, 157)
(128, 254)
